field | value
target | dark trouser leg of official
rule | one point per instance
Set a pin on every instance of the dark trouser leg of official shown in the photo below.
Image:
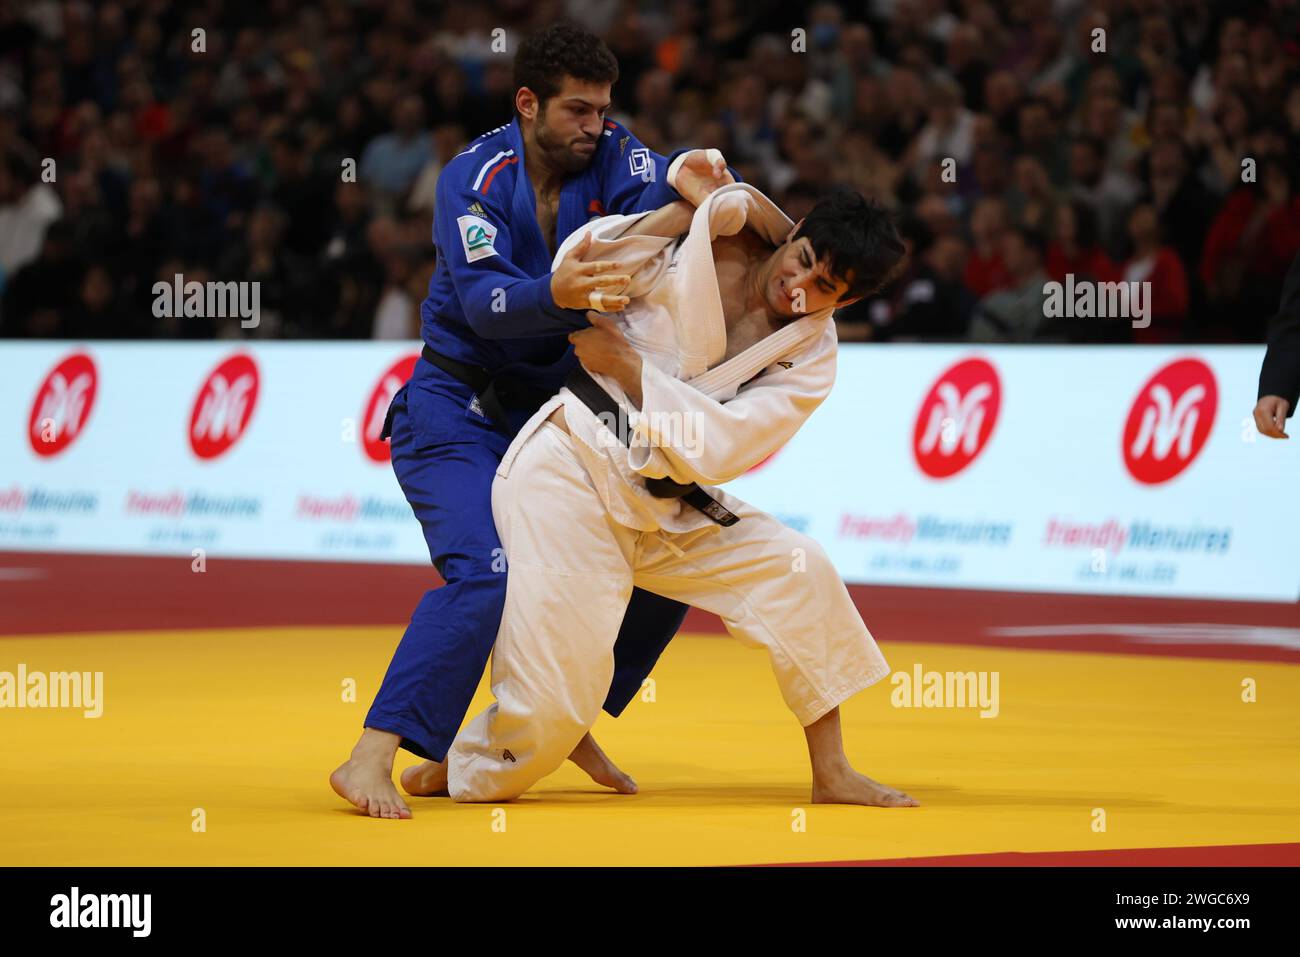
(437, 666)
(648, 625)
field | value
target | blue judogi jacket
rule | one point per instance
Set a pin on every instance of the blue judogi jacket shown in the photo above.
(489, 299)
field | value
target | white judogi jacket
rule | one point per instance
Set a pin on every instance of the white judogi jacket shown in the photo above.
(700, 421)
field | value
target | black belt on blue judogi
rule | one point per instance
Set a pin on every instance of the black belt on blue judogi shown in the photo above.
(581, 384)
(495, 393)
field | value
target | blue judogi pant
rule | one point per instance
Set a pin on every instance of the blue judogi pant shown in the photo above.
(445, 457)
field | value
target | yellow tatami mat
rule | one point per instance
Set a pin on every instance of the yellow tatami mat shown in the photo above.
(239, 729)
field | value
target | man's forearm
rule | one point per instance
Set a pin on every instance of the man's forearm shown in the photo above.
(628, 377)
(668, 221)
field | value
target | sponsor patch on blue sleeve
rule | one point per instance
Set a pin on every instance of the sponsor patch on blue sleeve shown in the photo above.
(477, 235)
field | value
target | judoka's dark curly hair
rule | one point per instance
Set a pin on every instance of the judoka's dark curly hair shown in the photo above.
(562, 49)
(858, 237)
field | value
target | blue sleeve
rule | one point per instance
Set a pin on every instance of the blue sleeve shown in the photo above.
(499, 300)
(635, 178)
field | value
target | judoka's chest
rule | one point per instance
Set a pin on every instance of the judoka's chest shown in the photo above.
(548, 211)
(736, 261)
(745, 329)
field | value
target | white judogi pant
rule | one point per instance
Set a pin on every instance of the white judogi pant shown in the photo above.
(571, 572)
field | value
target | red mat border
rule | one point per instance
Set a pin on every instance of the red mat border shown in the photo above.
(1219, 855)
(112, 593)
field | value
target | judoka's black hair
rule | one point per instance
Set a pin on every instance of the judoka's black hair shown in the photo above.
(857, 236)
(562, 49)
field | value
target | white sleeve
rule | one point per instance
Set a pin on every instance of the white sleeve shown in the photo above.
(682, 433)
(604, 231)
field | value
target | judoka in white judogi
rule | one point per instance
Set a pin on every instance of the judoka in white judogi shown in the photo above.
(580, 529)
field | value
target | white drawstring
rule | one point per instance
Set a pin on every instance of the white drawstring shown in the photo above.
(670, 545)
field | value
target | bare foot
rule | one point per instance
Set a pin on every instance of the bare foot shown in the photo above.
(366, 778)
(834, 780)
(849, 787)
(588, 756)
(426, 780)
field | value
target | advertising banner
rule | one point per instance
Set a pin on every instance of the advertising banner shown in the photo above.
(1117, 470)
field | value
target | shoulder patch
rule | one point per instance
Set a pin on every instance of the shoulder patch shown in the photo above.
(639, 162)
(477, 236)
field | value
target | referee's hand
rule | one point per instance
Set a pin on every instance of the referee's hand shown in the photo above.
(1270, 416)
(574, 281)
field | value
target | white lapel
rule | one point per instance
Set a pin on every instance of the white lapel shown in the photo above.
(743, 367)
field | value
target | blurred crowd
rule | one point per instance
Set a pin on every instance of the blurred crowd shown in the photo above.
(1017, 141)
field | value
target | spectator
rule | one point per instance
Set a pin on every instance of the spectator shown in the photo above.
(1107, 194)
(1002, 95)
(1032, 200)
(289, 301)
(1181, 202)
(1038, 137)
(1226, 137)
(27, 208)
(1106, 120)
(100, 313)
(985, 271)
(949, 132)
(1155, 263)
(991, 173)
(354, 277)
(448, 140)
(1250, 245)
(907, 115)
(748, 123)
(226, 190)
(398, 313)
(38, 298)
(856, 57)
(1293, 121)
(1015, 314)
(967, 63)
(87, 215)
(393, 160)
(146, 238)
(932, 302)
(303, 194)
(163, 154)
(1074, 247)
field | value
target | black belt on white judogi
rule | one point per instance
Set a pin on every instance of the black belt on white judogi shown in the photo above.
(581, 384)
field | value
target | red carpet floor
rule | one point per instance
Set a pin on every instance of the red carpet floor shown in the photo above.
(49, 593)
